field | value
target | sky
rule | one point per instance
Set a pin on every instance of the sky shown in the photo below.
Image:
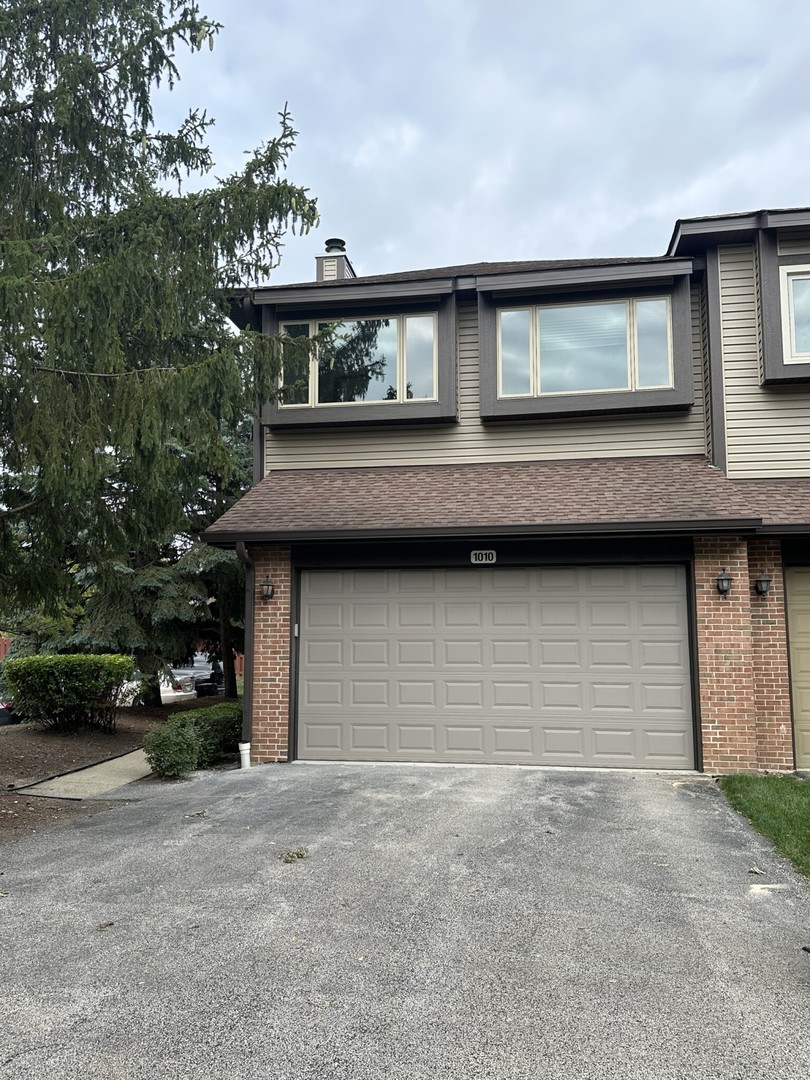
(439, 132)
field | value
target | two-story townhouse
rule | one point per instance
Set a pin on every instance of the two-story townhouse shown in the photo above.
(538, 512)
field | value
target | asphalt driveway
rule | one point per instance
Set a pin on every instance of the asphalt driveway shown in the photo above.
(445, 922)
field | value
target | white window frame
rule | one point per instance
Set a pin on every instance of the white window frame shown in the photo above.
(789, 353)
(535, 359)
(401, 320)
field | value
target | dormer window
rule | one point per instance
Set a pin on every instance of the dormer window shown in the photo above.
(795, 297)
(585, 348)
(550, 354)
(356, 361)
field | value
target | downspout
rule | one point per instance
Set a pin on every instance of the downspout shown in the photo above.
(243, 555)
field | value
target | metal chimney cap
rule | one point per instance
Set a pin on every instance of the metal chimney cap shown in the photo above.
(335, 245)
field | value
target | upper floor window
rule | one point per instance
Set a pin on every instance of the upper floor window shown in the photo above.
(795, 297)
(585, 347)
(368, 360)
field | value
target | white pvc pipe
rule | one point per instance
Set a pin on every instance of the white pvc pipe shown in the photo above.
(244, 754)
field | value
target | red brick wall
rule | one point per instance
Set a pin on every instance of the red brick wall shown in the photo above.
(770, 645)
(725, 657)
(742, 658)
(271, 657)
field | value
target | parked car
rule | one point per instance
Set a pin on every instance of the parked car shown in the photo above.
(7, 714)
(207, 683)
(177, 685)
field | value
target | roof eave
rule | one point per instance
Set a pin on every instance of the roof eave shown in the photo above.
(703, 527)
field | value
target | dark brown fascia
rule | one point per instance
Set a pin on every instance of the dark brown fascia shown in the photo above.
(707, 527)
(585, 275)
(568, 277)
(695, 234)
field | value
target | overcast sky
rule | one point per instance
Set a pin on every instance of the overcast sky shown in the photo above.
(436, 132)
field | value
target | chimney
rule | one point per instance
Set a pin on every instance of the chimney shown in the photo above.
(334, 265)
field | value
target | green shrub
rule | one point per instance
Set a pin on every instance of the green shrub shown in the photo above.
(195, 739)
(68, 693)
(173, 749)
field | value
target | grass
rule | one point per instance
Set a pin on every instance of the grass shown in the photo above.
(779, 808)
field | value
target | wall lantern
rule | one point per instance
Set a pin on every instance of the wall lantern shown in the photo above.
(763, 585)
(268, 590)
(724, 582)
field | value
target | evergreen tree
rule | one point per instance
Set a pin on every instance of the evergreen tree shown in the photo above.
(121, 379)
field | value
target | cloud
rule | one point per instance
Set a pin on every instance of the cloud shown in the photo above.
(387, 149)
(434, 133)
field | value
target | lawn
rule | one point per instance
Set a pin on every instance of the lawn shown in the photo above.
(779, 808)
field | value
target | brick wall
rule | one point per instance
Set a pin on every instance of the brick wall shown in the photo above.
(770, 647)
(271, 652)
(742, 658)
(725, 657)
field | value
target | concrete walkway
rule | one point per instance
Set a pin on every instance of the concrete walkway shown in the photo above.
(95, 780)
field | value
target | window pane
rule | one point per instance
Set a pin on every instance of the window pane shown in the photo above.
(359, 362)
(515, 361)
(653, 343)
(295, 363)
(419, 357)
(583, 348)
(801, 314)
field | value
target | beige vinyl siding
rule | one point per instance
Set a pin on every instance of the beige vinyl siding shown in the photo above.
(767, 429)
(653, 434)
(794, 242)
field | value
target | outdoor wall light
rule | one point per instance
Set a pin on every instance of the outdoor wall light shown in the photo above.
(724, 582)
(763, 585)
(268, 590)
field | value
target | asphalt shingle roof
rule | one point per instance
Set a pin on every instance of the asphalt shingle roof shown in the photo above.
(612, 495)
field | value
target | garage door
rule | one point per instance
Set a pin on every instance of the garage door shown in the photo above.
(797, 586)
(566, 666)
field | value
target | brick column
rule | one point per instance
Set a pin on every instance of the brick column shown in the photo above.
(271, 657)
(770, 659)
(725, 657)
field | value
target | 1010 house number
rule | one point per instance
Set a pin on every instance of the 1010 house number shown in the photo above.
(482, 557)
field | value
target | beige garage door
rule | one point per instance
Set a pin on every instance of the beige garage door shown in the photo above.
(797, 586)
(566, 666)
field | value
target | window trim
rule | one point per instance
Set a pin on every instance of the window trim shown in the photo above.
(401, 361)
(776, 369)
(577, 403)
(789, 356)
(631, 335)
(415, 411)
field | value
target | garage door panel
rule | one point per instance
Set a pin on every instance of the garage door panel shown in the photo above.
(663, 654)
(566, 665)
(512, 654)
(558, 616)
(415, 653)
(504, 615)
(610, 654)
(370, 653)
(560, 654)
(557, 696)
(412, 615)
(612, 697)
(324, 653)
(797, 588)
(416, 694)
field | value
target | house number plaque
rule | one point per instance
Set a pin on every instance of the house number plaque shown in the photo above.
(482, 557)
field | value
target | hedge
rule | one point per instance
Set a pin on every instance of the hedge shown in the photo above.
(68, 693)
(194, 739)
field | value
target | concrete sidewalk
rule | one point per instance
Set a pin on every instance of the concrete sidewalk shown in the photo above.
(94, 780)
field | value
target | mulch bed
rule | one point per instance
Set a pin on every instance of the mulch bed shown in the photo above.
(29, 754)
